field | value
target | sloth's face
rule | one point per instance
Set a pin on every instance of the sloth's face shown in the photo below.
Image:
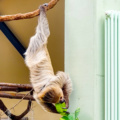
(52, 94)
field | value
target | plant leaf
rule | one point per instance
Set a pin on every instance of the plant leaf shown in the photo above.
(77, 113)
(71, 116)
(60, 106)
(64, 118)
(60, 109)
(76, 119)
(64, 114)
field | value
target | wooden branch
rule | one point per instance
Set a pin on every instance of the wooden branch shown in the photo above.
(10, 115)
(15, 89)
(28, 108)
(4, 109)
(28, 15)
(20, 86)
(25, 112)
(16, 96)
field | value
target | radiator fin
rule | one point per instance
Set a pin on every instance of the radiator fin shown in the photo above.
(112, 65)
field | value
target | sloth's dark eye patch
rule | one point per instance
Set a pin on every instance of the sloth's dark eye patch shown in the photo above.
(48, 96)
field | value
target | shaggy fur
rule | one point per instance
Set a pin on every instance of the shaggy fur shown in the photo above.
(48, 87)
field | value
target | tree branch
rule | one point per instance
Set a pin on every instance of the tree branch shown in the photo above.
(28, 108)
(10, 115)
(19, 86)
(16, 96)
(25, 112)
(4, 109)
(15, 89)
(28, 15)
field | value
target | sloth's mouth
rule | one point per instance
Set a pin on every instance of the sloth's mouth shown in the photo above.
(62, 101)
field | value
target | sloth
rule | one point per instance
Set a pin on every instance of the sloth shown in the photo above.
(49, 88)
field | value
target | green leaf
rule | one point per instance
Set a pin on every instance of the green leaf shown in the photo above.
(71, 116)
(77, 113)
(64, 118)
(76, 119)
(60, 109)
(60, 106)
(64, 114)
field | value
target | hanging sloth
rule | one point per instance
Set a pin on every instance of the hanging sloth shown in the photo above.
(48, 87)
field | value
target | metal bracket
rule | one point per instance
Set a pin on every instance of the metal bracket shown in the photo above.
(12, 38)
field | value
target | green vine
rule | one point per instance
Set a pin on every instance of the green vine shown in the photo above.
(60, 107)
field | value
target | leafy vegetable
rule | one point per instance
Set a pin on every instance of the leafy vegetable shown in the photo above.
(60, 107)
(64, 118)
(77, 113)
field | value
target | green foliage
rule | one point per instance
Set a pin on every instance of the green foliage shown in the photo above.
(60, 107)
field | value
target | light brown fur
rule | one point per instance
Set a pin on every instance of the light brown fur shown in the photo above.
(48, 87)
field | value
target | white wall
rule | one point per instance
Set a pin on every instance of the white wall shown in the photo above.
(79, 54)
(84, 54)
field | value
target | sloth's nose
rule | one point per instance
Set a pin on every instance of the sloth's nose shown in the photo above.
(62, 101)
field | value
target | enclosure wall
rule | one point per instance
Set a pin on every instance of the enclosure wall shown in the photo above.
(84, 54)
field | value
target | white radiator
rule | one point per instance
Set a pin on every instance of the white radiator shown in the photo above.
(112, 65)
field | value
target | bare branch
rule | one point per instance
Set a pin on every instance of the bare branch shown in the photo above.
(16, 96)
(15, 89)
(19, 86)
(28, 108)
(4, 109)
(28, 15)
(10, 115)
(25, 112)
